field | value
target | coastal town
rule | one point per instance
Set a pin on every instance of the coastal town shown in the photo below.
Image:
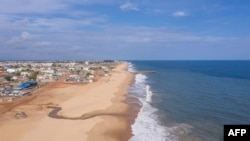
(73, 100)
(21, 78)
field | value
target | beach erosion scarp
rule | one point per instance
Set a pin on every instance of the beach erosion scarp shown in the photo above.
(96, 111)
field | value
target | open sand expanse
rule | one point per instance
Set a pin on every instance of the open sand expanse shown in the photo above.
(91, 112)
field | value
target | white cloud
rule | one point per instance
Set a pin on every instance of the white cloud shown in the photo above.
(22, 38)
(37, 24)
(110, 40)
(129, 6)
(13, 41)
(25, 35)
(62, 23)
(42, 44)
(180, 14)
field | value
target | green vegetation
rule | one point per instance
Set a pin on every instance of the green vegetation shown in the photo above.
(78, 72)
(88, 74)
(1, 68)
(54, 65)
(29, 66)
(8, 77)
(33, 76)
(17, 73)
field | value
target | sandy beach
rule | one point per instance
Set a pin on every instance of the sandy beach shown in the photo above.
(91, 112)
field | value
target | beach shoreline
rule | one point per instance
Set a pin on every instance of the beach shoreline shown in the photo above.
(100, 112)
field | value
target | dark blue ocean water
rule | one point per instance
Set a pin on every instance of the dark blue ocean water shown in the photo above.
(190, 100)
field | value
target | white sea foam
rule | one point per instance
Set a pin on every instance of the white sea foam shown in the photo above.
(149, 94)
(140, 80)
(131, 67)
(146, 126)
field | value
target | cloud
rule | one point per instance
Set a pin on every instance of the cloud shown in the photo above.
(42, 44)
(25, 35)
(62, 29)
(37, 24)
(121, 41)
(22, 38)
(129, 6)
(180, 14)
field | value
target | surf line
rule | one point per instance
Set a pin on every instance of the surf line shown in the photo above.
(53, 114)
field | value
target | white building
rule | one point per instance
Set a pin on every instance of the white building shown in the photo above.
(11, 70)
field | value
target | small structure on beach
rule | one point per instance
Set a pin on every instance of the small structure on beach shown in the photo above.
(7, 99)
(20, 115)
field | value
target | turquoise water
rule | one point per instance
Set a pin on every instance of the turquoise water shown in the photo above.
(190, 100)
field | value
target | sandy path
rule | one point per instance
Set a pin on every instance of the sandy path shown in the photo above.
(103, 102)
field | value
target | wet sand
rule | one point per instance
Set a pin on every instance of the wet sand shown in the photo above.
(91, 112)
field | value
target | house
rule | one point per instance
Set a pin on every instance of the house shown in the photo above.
(49, 71)
(25, 73)
(14, 78)
(11, 70)
(72, 68)
(86, 68)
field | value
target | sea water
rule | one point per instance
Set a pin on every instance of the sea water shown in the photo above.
(189, 100)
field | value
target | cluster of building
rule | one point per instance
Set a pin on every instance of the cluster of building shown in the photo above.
(20, 78)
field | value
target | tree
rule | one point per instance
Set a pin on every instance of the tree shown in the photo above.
(18, 73)
(7, 77)
(33, 76)
(54, 65)
(78, 72)
(88, 74)
(29, 66)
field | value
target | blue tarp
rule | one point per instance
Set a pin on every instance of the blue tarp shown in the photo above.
(27, 84)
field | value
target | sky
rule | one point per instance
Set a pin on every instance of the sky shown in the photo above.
(125, 29)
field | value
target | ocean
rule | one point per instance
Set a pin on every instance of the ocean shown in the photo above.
(189, 100)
